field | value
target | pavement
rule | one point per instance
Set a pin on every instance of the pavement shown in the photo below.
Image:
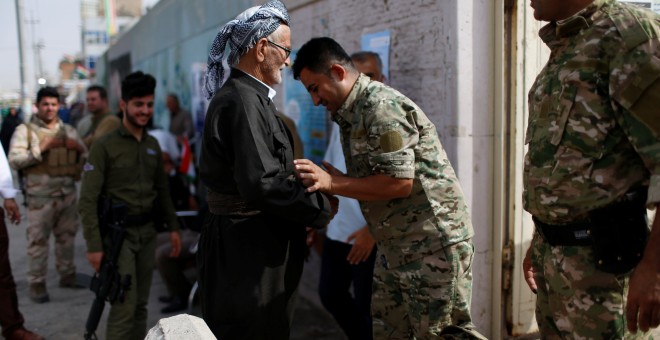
(64, 317)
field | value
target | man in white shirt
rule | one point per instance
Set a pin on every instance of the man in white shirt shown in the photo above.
(11, 319)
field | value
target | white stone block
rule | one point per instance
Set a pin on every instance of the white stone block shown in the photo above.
(180, 327)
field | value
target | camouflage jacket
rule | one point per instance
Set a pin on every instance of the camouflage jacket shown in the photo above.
(24, 153)
(383, 132)
(594, 122)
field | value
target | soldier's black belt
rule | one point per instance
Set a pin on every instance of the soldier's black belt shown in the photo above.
(616, 233)
(573, 234)
(229, 205)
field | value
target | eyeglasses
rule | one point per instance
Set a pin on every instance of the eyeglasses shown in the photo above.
(286, 50)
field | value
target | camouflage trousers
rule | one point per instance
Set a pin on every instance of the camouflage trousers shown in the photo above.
(426, 299)
(59, 216)
(575, 300)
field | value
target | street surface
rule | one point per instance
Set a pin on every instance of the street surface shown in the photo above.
(64, 317)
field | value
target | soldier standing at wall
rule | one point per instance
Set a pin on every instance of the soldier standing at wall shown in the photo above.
(101, 121)
(49, 154)
(592, 168)
(408, 192)
(181, 124)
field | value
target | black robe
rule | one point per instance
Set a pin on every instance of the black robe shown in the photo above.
(249, 267)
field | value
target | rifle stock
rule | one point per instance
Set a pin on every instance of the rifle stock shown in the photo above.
(108, 284)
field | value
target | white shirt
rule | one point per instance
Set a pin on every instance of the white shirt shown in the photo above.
(167, 142)
(6, 182)
(349, 218)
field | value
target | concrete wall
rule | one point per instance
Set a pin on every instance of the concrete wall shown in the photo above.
(441, 57)
(166, 42)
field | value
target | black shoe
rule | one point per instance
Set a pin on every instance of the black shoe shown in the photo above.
(176, 305)
(70, 281)
(166, 298)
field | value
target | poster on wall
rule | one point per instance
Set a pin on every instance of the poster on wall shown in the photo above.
(379, 42)
(119, 68)
(653, 5)
(198, 102)
(310, 120)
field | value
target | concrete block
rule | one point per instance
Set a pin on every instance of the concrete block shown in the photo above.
(180, 327)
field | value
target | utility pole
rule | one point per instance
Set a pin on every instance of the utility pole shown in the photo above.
(37, 46)
(26, 101)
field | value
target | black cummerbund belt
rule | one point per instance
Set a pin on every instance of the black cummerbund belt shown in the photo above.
(573, 234)
(230, 205)
(626, 216)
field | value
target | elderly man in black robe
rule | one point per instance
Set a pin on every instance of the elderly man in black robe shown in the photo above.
(252, 246)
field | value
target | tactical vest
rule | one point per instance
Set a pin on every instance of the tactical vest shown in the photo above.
(57, 161)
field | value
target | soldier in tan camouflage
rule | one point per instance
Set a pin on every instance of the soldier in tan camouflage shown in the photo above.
(592, 168)
(408, 193)
(49, 155)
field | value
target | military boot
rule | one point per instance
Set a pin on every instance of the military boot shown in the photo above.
(38, 292)
(69, 281)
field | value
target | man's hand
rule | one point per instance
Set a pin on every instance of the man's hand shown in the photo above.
(311, 236)
(13, 214)
(312, 176)
(643, 305)
(48, 143)
(334, 205)
(331, 169)
(73, 144)
(95, 260)
(175, 241)
(364, 244)
(528, 270)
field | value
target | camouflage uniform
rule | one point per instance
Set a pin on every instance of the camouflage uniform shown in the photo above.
(593, 135)
(423, 283)
(51, 195)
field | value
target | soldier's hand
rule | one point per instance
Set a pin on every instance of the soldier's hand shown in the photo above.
(331, 169)
(13, 214)
(48, 143)
(528, 270)
(312, 176)
(643, 306)
(334, 205)
(95, 260)
(73, 144)
(175, 242)
(364, 244)
(311, 236)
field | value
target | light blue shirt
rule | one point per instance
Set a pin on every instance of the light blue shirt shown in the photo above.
(349, 218)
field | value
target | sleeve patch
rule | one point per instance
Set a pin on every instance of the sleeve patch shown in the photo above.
(88, 167)
(391, 141)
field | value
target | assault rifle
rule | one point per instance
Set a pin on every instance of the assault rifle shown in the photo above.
(108, 284)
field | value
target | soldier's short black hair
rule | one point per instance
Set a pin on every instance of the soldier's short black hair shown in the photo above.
(103, 93)
(318, 55)
(47, 91)
(137, 84)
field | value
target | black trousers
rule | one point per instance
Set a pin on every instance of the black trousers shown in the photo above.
(353, 314)
(10, 317)
(248, 271)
